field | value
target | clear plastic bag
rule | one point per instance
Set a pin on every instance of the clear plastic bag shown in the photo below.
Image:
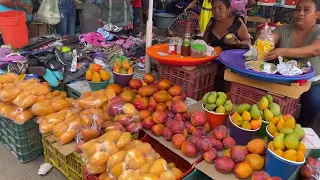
(66, 131)
(49, 106)
(92, 99)
(49, 12)
(264, 43)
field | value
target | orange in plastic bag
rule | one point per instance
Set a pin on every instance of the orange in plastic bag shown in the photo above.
(89, 133)
(99, 158)
(95, 170)
(25, 100)
(90, 147)
(105, 176)
(109, 146)
(67, 137)
(6, 79)
(39, 89)
(23, 117)
(87, 102)
(42, 108)
(9, 94)
(88, 116)
(11, 111)
(59, 104)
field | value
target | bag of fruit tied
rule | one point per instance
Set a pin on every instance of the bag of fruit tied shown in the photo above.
(264, 43)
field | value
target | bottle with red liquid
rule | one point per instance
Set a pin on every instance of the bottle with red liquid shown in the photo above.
(185, 48)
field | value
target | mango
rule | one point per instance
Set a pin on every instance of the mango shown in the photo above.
(205, 97)
(290, 123)
(130, 70)
(222, 94)
(123, 71)
(290, 155)
(275, 120)
(255, 112)
(270, 98)
(228, 106)
(221, 100)
(89, 75)
(257, 146)
(220, 109)
(256, 124)
(275, 109)
(279, 152)
(263, 103)
(301, 147)
(298, 129)
(256, 161)
(96, 77)
(243, 170)
(125, 64)
(210, 107)
(272, 128)
(291, 141)
(278, 141)
(280, 123)
(271, 146)
(158, 167)
(105, 75)
(267, 114)
(286, 131)
(128, 96)
(300, 156)
(212, 98)
(243, 107)
(237, 120)
(246, 116)
(246, 125)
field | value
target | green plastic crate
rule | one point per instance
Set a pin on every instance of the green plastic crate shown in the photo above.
(61, 87)
(315, 153)
(197, 175)
(72, 93)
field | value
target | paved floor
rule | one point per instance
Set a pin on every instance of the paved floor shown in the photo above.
(11, 169)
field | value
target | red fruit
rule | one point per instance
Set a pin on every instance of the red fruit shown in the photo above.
(178, 140)
(134, 127)
(141, 103)
(187, 116)
(306, 171)
(274, 178)
(224, 164)
(178, 106)
(218, 145)
(210, 155)
(259, 175)
(135, 83)
(159, 117)
(228, 142)
(220, 132)
(176, 127)
(313, 163)
(199, 131)
(189, 149)
(190, 127)
(179, 117)
(205, 144)
(196, 140)
(150, 108)
(198, 119)
(238, 153)
(157, 129)
(148, 123)
(167, 134)
(170, 114)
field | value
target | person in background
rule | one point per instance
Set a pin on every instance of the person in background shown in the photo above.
(67, 23)
(9, 5)
(223, 23)
(136, 6)
(145, 5)
(205, 14)
(301, 40)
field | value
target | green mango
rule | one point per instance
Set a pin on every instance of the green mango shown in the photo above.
(210, 107)
(220, 109)
(222, 94)
(291, 141)
(204, 98)
(212, 98)
(275, 109)
(278, 142)
(286, 131)
(243, 107)
(263, 103)
(228, 106)
(270, 98)
(123, 71)
(298, 129)
(221, 100)
(255, 112)
(267, 114)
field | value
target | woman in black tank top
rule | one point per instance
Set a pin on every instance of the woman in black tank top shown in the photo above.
(223, 23)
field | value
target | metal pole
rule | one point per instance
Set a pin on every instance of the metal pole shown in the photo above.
(149, 36)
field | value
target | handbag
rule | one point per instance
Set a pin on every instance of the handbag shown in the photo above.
(49, 12)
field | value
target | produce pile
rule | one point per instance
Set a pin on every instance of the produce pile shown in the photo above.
(95, 73)
(122, 65)
(217, 102)
(116, 155)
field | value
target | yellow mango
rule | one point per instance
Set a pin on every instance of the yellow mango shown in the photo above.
(130, 70)
(116, 159)
(280, 123)
(290, 123)
(158, 167)
(290, 155)
(116, 171)
(300, 156)
(89, 75)
(279, 152)
(124, 140)
(246, 116)
(125, 64)
(275, 120)
(105, 75)
(264, 103)
(301, 147)
(96, 77)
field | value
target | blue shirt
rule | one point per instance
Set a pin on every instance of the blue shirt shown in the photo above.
(5, 8)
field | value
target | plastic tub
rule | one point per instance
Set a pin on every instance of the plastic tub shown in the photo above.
(240, 135)
(96, 86)
(122, 79)
(270, 137)
(163, 20)
(198, 50)
(278, 166)
(262, 131)
(215, 119)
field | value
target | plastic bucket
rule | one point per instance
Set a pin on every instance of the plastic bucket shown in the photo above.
(278, 166)
(96, 86)
(215, 119)
(163, 20)
(270, 137)
(262, 131)
(240, 135)
(122, 79)
(13, 27)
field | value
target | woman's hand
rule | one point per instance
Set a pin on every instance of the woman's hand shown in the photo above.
(273, 54)
(236, 43)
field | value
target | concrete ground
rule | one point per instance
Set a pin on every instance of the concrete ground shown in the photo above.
(11, 169)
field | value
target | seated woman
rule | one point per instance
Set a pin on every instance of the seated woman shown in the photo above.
(223, 23)
(301, 40)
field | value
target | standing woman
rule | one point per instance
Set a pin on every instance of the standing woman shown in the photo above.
(67, 23)
(205, 14)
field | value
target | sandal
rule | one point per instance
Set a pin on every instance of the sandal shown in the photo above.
(51, 78)
(93, 38)
(12, 57)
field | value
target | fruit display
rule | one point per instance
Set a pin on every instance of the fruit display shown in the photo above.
(285, 124)
(122, 65)
(115, 155)
(95, 73)
(217, 102)
(288, 146)
(311, 169)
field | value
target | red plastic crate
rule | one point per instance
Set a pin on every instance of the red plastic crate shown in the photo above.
(241, 93)
(195, 83)
(267, 1)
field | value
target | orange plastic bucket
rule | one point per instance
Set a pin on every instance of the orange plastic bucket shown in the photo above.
(13, 26)
(215, 119)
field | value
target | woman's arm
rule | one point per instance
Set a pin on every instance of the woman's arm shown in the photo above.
(243, 35)
(191, 5)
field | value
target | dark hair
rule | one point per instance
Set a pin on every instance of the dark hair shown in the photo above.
(316, 4)
(225, 2)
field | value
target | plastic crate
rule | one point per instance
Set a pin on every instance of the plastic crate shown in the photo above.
(72, 93)
(195, 83)
(70, 166)
(241, 93)
(197, 175)
(25, 143)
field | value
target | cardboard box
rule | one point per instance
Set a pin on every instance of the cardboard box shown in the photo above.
(38, 29)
